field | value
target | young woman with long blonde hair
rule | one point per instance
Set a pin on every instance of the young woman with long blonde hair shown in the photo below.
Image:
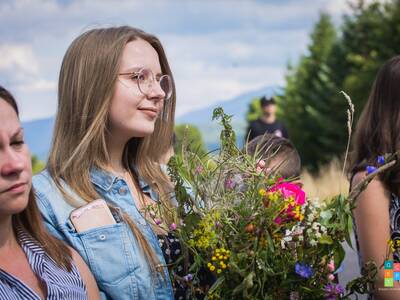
(116, 103)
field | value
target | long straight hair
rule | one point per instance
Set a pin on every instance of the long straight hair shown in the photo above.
(86, 85)
(378, 129)
(30, 220)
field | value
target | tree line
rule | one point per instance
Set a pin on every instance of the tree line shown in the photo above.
(345, 58)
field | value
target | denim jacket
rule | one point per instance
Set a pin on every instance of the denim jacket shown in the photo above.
(111, 252)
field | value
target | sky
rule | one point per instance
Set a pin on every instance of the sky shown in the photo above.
(217, 49)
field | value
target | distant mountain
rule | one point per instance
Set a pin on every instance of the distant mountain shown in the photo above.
(237, 107)
(38, 133)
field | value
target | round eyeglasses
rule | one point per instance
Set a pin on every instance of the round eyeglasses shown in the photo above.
(144, 80)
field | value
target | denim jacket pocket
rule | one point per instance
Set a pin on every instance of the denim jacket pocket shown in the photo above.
(106, 248)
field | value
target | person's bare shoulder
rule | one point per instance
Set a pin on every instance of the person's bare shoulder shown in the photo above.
(86, 274)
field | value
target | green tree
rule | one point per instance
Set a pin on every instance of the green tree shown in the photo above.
(37, 165)
(193, 139)
(254, 110)
(315, 120)
(371, 35)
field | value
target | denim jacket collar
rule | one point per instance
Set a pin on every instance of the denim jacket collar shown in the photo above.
(105, 180)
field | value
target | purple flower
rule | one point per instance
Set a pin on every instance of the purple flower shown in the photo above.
(370, 169)
(218, 225)
(332, 290)
(229, 184)
(172, 226)
(188, 277)
(157, 221)
(304, 270)
(380, 160)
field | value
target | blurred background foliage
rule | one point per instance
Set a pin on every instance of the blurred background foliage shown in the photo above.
(37, 165)
(345, 58)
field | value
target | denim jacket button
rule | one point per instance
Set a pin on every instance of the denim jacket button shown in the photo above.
(122, 191)
(102, 237)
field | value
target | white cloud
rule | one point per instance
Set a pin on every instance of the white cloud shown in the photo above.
(18, 58)
(40, 85)
(217, 49)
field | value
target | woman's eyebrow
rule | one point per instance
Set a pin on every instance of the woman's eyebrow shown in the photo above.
(17, 132)
(131, 70)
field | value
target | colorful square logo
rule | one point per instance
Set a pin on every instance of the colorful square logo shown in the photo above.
(396, 276)
(388, 273)
(388, 282)
(388, 264)
(396, 267)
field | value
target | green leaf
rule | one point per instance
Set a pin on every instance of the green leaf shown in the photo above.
(325, 239)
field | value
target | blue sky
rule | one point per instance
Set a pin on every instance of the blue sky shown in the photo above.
(217, 49)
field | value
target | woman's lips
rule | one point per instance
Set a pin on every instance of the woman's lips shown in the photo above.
(149, 112)
(17, 188)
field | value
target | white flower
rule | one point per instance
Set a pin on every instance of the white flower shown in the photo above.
(313, 243)
(287, 238)
(316, 226)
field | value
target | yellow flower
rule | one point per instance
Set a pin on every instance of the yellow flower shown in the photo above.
(262, 192)
(213, 258)
(212, 268)
(219, 271)
(209, 264)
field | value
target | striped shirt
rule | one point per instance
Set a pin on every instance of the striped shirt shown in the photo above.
(60, 283)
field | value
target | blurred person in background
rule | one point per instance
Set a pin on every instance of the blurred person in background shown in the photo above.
(268, 122)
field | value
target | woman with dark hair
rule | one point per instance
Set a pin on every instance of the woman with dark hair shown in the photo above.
(377, 215)
(33, 264)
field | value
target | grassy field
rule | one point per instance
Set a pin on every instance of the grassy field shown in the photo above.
(327, 183)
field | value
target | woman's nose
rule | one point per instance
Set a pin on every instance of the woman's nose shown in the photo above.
(11, 163)
(156, 92)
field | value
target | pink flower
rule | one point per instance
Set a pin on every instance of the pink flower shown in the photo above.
(229, 184)
(172, 226)
(199, 169)
(331, 266)
(260, 166)
(331, 277)
(290, 190)
(278, 220)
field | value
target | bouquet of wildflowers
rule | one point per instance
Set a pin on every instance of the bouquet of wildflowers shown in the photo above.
(256, 234)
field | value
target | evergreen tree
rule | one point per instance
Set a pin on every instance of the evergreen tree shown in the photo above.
(371, 35)
(314, 121)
